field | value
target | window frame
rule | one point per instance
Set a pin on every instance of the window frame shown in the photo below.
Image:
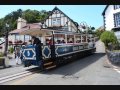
(117, 19)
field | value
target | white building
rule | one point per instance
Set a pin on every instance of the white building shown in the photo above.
(111, 17)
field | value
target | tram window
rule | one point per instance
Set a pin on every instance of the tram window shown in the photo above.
(63, 41)
(58, 41)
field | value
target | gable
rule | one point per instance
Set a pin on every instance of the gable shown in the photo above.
(105, 10)
(57, 19)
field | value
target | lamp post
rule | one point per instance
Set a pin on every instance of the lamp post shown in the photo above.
(84, 26)
(6, 39)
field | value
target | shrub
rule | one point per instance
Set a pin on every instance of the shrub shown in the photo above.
(1, 54)
(108, 37)
(98, 33)
(11, 50)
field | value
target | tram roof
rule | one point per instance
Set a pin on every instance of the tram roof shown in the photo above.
(35, 32)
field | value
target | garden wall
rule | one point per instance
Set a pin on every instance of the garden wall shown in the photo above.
(114, 57)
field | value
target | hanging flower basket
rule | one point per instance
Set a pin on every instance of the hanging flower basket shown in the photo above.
(16, 42)
(20, 41)
(0, 47)
(24, 43)
(10, 42)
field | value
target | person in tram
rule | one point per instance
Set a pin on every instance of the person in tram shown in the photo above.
(58, 42)
(36, 41)
(50, 41)
(63, 41)
(47, 41)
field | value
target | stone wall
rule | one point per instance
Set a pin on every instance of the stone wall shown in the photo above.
(114, 57)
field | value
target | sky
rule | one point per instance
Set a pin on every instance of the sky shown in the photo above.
(91, 14)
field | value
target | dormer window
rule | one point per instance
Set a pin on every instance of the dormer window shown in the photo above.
(56, 21)
(116, 7)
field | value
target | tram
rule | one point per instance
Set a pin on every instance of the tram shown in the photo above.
(65, 47)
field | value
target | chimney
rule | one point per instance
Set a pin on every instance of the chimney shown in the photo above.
(21, 23)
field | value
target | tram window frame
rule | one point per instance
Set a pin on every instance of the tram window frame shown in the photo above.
(59, 38)
(78, 41)
(69, 37)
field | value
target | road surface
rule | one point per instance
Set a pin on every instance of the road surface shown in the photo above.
(90, 70)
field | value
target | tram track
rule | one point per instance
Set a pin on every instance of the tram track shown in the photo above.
(18, 75)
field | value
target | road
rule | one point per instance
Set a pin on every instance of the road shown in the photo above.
(90, 70)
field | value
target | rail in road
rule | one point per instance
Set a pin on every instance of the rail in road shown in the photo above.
(17, 76)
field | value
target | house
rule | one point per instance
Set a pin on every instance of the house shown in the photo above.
(56, 20)
(111, 17)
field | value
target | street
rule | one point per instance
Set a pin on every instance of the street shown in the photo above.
(91, 70)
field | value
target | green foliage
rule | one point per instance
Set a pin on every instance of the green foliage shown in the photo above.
(11, 50)
(108, 37)
(98, 33)
(32, 16)
(92, 28)
(116, 50)
(1, 54)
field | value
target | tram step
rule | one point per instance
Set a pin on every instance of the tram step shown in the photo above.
(50, 67)
(48, 63)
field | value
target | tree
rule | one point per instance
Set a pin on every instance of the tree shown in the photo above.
(108, 37)
(12, 17)
(98, 33)
(92, 28)
(32, 16)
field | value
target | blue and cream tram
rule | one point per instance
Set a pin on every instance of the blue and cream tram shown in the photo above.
(51, 55)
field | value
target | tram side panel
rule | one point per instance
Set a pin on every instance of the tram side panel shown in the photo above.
(31, 55)
(71, 52)
(38, 55)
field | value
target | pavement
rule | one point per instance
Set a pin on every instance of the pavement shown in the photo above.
(11, 62)
(101, 48)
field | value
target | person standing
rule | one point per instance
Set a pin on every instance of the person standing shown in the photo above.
(17, 53)
(38, 44)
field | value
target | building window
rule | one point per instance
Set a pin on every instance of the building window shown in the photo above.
(56, 21)
(117, 19)
(116, 7)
